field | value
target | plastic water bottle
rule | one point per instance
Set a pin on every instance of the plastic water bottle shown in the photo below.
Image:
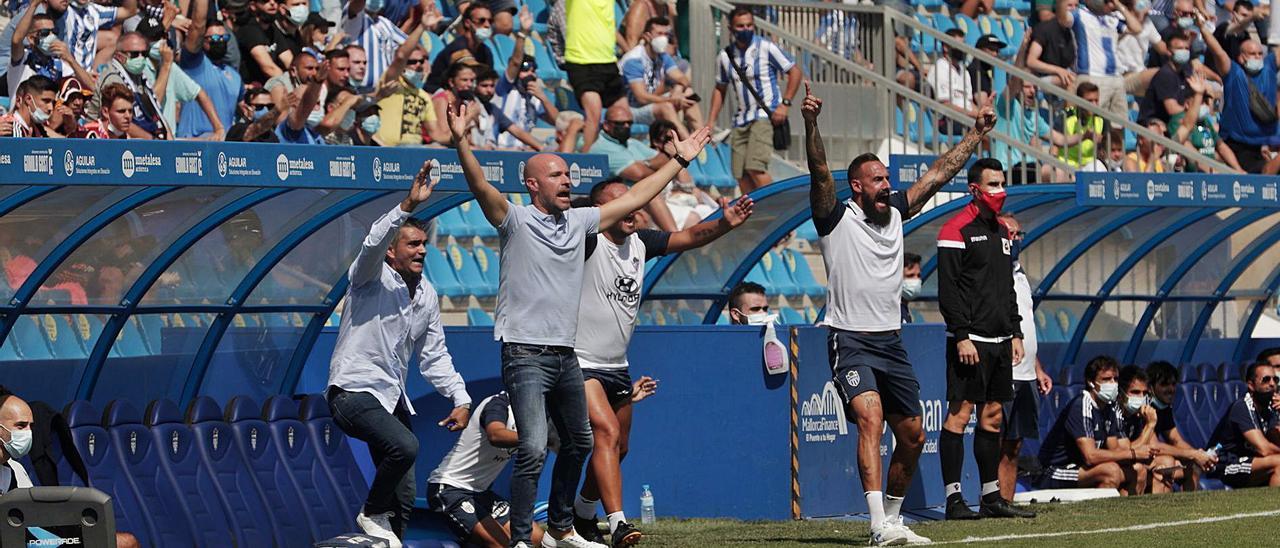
(646, 506)
(1213, 451)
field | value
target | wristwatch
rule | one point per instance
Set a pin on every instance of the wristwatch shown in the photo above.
(786, 102)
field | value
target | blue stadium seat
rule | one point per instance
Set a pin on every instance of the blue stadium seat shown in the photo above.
(488, 261)
(644, 318)
(1206, 372)
(33, 344)
(140, 459)
(725, 157)
(924, 43)
(503, 47)
(807, 232)
(689, 317)
(789, 316)
(334, 452)
(255, 442)
(930, 4)
(298, 455)
(704, 274)
(1046, 330)
(435, 42)
(440, 272)
(724, 318)
(468, 272)
(477, 223)
(1235, 390)
(152, 330)
(943, 23)
(548, 70)
(105, 471)
(1185, 410)
(970, 27)
(696, 171)
(9, 350)
(798, 266)
(451, 223)
(478, 317)
(180, 462)
(905, 125)
(1014, 30)
(757, 275)
(1230, 371)
(776, 268)
(63, 338)
(238, 491)
(130, 343)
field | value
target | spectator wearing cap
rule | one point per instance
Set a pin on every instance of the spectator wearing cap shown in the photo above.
(128, 67)
(315, 34)
(36, 49)
(981, 74)
(68, 118)
(255, 121)
(256, 35)
(952, 86)
(32, 107)
(504, 16)
(475, 29)
(364, 132)
(1052, 53)
(204, 52)
(523, 99)
(406, 115)
(1098, 27)
(646, 69)
(363, 22)
(1251, 73)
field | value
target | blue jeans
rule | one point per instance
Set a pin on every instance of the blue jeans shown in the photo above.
(392, 445)
(542, 381)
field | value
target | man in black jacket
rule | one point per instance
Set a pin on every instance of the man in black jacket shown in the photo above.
(984, 340)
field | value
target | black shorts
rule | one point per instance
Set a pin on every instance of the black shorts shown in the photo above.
(602, 78)
(1060, 477)
(990, 380)
(616, 383)
(1234, 470)
(1022, 414)
(465, 508)
(874, 362)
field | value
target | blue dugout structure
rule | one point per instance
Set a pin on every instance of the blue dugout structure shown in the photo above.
(180, 270)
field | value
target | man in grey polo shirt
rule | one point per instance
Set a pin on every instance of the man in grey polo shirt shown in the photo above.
(539, 285)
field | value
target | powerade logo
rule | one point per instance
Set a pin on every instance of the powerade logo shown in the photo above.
(822, 416)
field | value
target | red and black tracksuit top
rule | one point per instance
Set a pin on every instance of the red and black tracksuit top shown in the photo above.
(975, 278)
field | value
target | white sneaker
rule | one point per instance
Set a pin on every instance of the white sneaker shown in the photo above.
(888, 534)
(574, 540)
(912, 537)
(521, 544)
(378, 525)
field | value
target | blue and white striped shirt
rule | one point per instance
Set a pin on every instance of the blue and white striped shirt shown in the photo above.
(1096, 39)
(637, 66)
(838, 32)
(79, 27)
(379, 38)
(764, 62)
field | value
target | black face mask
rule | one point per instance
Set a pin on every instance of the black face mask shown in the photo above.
(484, 98)
(620, 133)
(1262, 397)
(216, 51)
(524, 83)
(467, 94)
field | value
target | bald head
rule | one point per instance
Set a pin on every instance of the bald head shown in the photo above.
(15, 415)
(619, 111)
(546, 176)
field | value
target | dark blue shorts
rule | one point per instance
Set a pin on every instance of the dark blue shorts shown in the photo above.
(1233, 470)
(1060, 477)
(616, 383)
(874, 362)
(1022, 414)
(465, 508)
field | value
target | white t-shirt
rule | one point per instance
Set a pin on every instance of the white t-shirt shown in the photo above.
(1131, 52)
(1025, 370)
(611, 297)
(473, 463)
(951, 85)
(864, 267)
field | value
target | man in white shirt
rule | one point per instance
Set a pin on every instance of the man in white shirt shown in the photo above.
(952, 86)
(1098, 26)
(392, 313)
(539, 287)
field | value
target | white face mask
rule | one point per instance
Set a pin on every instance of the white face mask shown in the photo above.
(760, 318)
(1134, 403)
(315, 118)
(19, 443)
(484, 33)
(911, 288)
(659, 44)
(298, 14)
(1108, 392)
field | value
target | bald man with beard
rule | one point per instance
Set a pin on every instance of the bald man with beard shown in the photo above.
(536, 319)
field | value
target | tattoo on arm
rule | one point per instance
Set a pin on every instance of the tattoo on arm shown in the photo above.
(942, 171)
(822, 189)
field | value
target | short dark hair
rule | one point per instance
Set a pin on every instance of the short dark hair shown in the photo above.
(1130, 373)
(466, 14)
(336, 53)
(41, 17)
(1242, 4)
(1265, 355)
(1161, 372)
(35, 85)
(660, 128)
(1252, 369)
(458, 67)
(742, 289)
(981, 165)
(484, 73)
(1086, 87)
(909, 259)
(352, 46)
(598, 188)
(855, 166)
(1178, 34)
(955, 32)
(740, 11)
(411, 222)
(658, 21)
(1097, 365)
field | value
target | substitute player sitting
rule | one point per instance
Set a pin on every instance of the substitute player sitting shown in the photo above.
(1250, 434)
(1178, 461)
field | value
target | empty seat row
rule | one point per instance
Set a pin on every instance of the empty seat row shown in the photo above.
(458, 272)
(786, 273)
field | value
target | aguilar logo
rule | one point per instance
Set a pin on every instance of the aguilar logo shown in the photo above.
(377, 169)
(222, 164)
(822, 416)
(69, 163)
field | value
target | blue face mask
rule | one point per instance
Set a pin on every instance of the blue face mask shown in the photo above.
(744, 36)
(415, 78)
(371, 124)
(374, 6)
(1253, 66)
(1014, 249)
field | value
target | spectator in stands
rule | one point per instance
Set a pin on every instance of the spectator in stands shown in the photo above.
(1052, 53)
(911, 283)
(590, 60)
(366, 124)
(631, 160)
(1149, 156)
(1019, 117)
(569, 125)
(299, 126)
(459, 87)
(910, 70)
(1137, 425)
(1162, 381)
(1248, 80)
(838, 32)
(287, 84)
(748, 304)
(127, 68)
(1083, 132)
(79, 22)
(1270, 356)
(1196, 127)
(476, 29)
(1240, 28)
(1168, 90)
(764, 64)
(1082, 448)
(1185, 20)
(359, 68)
(33, 105)
(1099, 25)
(1161, 13)
(981, 74)
(256, 35)
(688, 203)
(504, 16)
(117, 114)
(315, 33)
(407, 116)
(952, 86)
(68, 118)
(1249, 433)
(493, 123)
(523, 98)
(256, 121)
(172, 84)
(1132, 51)
(640, 11)
(339, 118)
(1115, 150)
(203, 58)
(36, 49)
(972, 8)
(646, 69)
(379, 36)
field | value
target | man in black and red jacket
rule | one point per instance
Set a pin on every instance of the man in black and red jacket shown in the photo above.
(975, 293)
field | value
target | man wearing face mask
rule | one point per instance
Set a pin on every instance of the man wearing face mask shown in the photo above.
(1082, 448)
(128, 68)
(15, 433)
(1249, 110)
(523, 99)
(952, 86)
(646, 70)
(911, 283)
(862, 248)
(299, 126)
(476, 29)
(364, 132)
(33, 105)
(37, 50)
(203, 59)
(748, 304)
(254, 38)
(1168, 91)
(1249, 434)
(493, 123)
(407, 115)
(1138, 429)
(80, 20)
(984, 338)
(256, 119)
(364, 24)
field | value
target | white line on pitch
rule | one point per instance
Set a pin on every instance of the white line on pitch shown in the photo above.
(1142, 527)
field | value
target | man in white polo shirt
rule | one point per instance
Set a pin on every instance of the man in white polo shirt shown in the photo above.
(861, 242)
(392, 313)
(539, 286)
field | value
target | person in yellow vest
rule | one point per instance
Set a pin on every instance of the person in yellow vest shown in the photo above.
(1149, 158)
(1084, 132)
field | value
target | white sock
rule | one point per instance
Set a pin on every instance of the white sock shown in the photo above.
(585, 509)
(892, 506)
(615, 519)
(990, 487)
(952, 488)
(875, 504)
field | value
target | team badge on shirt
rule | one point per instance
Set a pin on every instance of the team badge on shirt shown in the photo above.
(853, 378)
